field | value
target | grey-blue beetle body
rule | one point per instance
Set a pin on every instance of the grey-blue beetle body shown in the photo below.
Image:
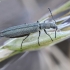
(27, 29)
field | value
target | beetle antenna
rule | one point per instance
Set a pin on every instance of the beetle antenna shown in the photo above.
(53, 19)
(51, 15)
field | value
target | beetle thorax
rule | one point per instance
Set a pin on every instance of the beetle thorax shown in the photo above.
(45, 26)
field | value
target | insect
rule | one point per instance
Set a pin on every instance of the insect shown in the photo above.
(27, 29)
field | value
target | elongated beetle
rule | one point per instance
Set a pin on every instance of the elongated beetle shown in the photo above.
(27, 29)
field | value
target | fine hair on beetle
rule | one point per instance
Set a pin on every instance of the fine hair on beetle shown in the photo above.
(27, 29)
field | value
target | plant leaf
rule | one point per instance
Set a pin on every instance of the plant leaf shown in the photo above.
(12, 46)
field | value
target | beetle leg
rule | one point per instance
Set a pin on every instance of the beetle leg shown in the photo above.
(55, 33)
(48, 34)
(38, 38)
(24, 39)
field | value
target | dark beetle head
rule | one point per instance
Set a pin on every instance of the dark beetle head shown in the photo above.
(53, 25)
